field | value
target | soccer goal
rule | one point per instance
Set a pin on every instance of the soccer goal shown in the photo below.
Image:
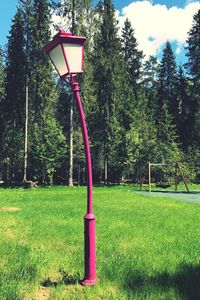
(164, 176)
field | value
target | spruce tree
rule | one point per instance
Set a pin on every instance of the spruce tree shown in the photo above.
(193, 68)
(150, 76)
(185, 106)
(168, 108)
(15, 71)
(2, 101)
(107, 62)
(14, 107)
(131, 54)
(26, 7)
(167, 83)
(43, 94)
(193, 50)
(42, 85)
(2, 76)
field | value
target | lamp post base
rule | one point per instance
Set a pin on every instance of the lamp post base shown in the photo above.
(90, 250)
(86, 282)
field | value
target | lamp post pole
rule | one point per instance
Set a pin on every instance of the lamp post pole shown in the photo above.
(67, 55)
(89, 218)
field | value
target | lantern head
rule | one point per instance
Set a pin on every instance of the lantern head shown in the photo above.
(66, 52)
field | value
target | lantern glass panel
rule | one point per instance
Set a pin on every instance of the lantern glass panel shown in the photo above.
(74, 56)
(58, 60)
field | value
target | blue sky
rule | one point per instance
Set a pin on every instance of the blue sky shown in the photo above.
(7, 11)
(151, 36)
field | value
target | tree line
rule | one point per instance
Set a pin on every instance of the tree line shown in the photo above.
(137, 109)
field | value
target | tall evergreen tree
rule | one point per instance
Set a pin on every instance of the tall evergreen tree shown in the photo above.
(2, 76)
(132, 56)
(168, 108)
(42, 85)
(43, 90)
(184, 99)
(107, 63)
(193, 50)
(150, 76)
(15, 71)
(26, 7)
(193, 68)
(167, 83)
(2, 101)
(14, 106)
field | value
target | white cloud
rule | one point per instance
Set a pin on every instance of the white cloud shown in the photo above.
(155, 24)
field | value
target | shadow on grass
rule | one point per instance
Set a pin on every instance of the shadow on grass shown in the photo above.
(66, 279)
(186, 281)
(172, 192)
(177, 192)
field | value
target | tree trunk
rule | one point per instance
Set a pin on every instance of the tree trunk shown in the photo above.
(106, 170)
(70, 183)
(26, 138)
(7, 169)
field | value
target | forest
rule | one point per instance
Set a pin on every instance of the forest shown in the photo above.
(137, 109)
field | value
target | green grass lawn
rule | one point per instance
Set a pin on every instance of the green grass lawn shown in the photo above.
(147, 247)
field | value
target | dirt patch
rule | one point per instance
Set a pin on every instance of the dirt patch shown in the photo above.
(43, 294)
(10, 209)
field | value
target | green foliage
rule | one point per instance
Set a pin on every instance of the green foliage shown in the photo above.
(150, 75)
(168, 82)
(15, 73)
(2, 77)
(47, 149)
(141, 140)
(193, 163)
(132, 56)
(193, 48)
(107, 62)
(2, 99)
(193, 68)
(136, 111)
(13, 105)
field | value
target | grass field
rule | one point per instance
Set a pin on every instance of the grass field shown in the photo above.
(147, 247)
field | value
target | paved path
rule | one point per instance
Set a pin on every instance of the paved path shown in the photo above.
(191, 197)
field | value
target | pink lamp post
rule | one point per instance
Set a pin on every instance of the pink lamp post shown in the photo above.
(66, 52)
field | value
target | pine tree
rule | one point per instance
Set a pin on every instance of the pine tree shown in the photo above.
(185, 106)
(42, 85)
(107, 62)
(168, 149)
(141, 140)
(2, 76)
(43, 94)
(193, 50)
(132, 56)
(15, 91)
(193, 68)
(150, 76)
(167, 83)
(2, 100)
(26, 7)
(48, 149)
(168, 109)
(15, 71)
